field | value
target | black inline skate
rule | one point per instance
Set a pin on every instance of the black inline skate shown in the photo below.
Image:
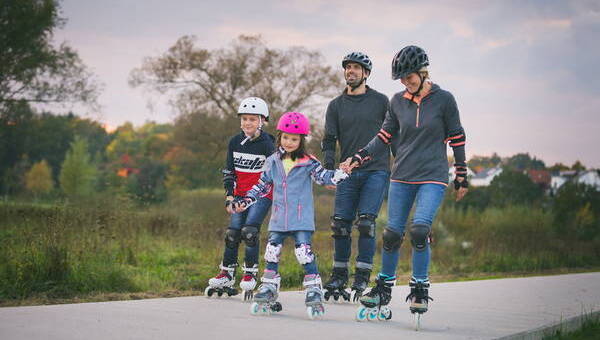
(336, 286)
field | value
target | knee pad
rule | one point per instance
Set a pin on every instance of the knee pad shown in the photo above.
(340, 227)
(366, 225)
(250, 235)
(272, 252)
(304, 254)
(232, 238)
(419, 236)
(392, 240)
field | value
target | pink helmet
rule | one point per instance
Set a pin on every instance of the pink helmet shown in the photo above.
(294, 122)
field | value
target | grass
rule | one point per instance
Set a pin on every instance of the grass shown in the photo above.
(590, 330)
(109, 248)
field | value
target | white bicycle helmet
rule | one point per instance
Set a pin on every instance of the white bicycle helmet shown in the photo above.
(254, 106)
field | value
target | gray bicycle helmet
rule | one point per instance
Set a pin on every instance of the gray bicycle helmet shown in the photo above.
(360, 58)
(410, 59)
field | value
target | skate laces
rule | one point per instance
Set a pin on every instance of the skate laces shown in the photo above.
(419, 291)
(381, 285)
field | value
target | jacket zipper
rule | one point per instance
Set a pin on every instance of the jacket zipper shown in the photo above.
(418, 109)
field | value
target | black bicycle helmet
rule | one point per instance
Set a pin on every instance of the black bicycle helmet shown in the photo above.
(360, 58)
(410, 59)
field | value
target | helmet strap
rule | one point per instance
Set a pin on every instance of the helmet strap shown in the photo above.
(416, 93)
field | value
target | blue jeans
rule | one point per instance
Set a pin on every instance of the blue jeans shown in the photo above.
(400, 201)
(300, 237)
(361, 193)
(253, 216)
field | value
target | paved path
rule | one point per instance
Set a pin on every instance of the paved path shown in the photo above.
(487, 309)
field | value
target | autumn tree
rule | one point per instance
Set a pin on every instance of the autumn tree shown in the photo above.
(77, 173)
(38, 179)
(32, 68)
(206, 87)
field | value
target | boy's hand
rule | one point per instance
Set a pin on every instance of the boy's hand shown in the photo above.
(242, 203)
(228, 204)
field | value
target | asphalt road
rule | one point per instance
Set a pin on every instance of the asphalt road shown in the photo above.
(486, 309)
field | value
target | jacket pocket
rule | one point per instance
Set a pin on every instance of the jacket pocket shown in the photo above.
(299, 212)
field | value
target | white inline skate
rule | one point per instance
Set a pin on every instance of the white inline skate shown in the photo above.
(222, 283)
(419, 299)
(248, 282)
(314, 296)
(265, 299)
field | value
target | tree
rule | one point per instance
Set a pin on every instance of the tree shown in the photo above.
(77, 172)
(206, 87)
(558, 167)
(522, 161)
(32, 69)
(38, 179)
(577, 166)
(512, 187)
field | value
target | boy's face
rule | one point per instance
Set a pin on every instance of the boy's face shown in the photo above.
(249, 124)
(290, 142)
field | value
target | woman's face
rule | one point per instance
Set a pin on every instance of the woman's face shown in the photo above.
(290, 142)
(412, 82)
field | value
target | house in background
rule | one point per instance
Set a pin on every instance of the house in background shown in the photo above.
(485, 177)
(589, 177)
(540, 177)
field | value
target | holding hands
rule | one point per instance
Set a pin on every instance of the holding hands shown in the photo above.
(238, 204)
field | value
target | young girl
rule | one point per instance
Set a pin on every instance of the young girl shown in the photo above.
(289, 172)
(246, 156)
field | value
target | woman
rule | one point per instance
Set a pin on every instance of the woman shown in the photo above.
(419, 123)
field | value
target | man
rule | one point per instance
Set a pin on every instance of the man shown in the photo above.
(352, 120)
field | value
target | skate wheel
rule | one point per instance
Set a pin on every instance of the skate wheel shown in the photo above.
(336, 297)
(208, 292)
(361, 314)
(355, 296)
(345, 295)
(276, 307)
(417, 321)
(327, 295)
(254, 308)
(314, 312)
(248, 295)
(372, 314)
(220, 293)
(384, 314)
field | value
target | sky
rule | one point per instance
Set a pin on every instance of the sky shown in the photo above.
(525, 74)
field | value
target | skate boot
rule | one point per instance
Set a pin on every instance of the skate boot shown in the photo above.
(361, 281)
(336, 286)
(222, 283)
(419, 299)
(248, 282)
(314, 296)
(265, 299)
(375, 302)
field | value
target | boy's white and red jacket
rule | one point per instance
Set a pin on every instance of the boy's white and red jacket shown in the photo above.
(246, 162)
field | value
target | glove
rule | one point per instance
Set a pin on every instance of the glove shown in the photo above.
(339, 176)
(361, 156)
(458, 184)
(243, 202)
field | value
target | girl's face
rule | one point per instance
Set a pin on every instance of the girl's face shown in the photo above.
(290, 142)
(249, 124)
(412, 82)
